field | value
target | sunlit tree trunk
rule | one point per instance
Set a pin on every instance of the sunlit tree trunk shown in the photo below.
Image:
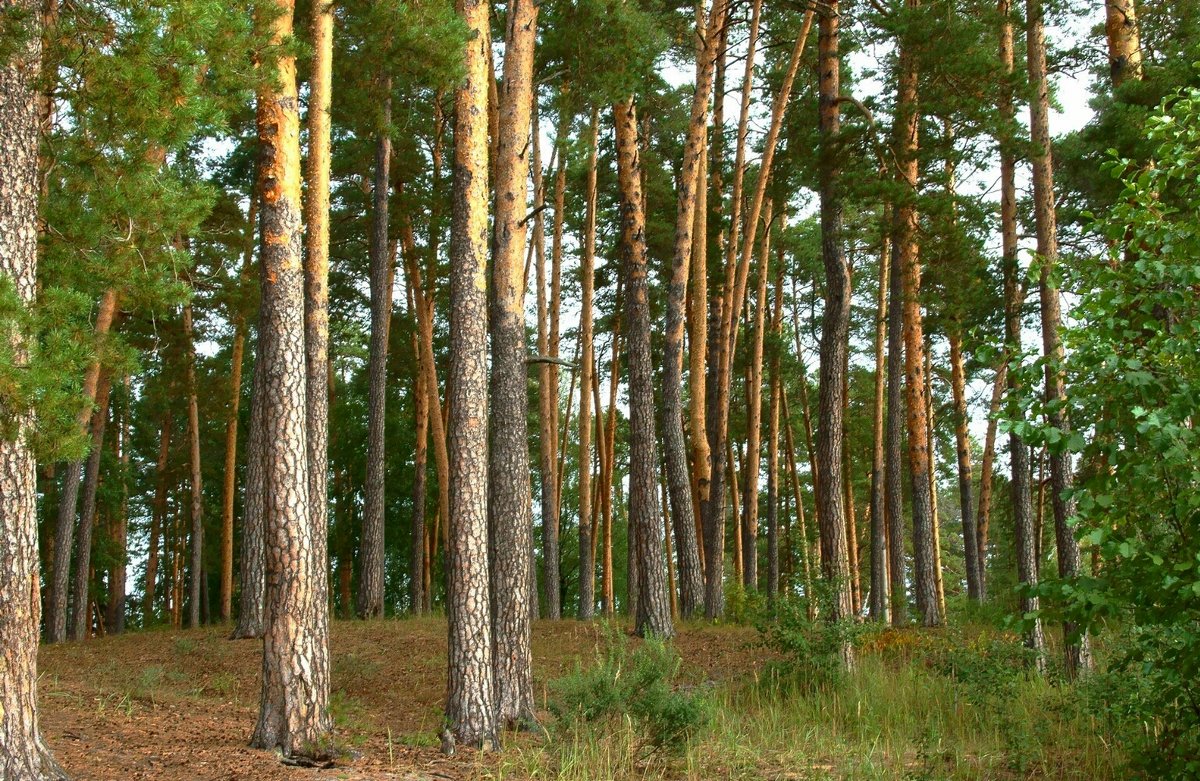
(754, 415)
(1078, 657)
(1124, 40)
(470, 699)
(908, 243)
(510, 520)
(774, 399)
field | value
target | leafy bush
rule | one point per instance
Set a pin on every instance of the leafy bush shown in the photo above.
(639, 683)
(812, 649)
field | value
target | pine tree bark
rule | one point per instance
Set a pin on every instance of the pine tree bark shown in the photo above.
(1124, 41)
(906, 238)
(114, 616)
(294, 717)
(252, 576)
(470, 701)
(316, 308)
(805, 558)
(56, 615)
(934, 516)
(197, 490)
(880, 603)
(674, 446)
(654, 604)
(1078, 657)
(23, 754)
(81, 603)
(158, 519)
(587, 564)
(510, 520)
(372, 551)
(1018, 450)
(965, 485)
(775, 395)
(835, 333)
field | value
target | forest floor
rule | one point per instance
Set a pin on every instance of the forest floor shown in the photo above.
(175, 705)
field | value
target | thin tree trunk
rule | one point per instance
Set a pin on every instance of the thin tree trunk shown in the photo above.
(157, 519)
(197, 490)
(372, 551)
(1018, 450)
(56, 615)
(773, 440)
(117, 575)
(894, 496)
(654, 606)
(985, 476)
(697, 358)
(510, 520)
(965, 488)
(754, 415)
(587, 566)
(294, 717)
(835, 338)
(470, 702)
(907, 240)
(1078, 657)
(24, 756)
(674, 446)
(805, 559)
(229, 484)
(880, 605)
(934, 517)
(81, 604)
(252, 576)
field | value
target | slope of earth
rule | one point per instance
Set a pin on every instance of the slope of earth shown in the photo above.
(175, 705)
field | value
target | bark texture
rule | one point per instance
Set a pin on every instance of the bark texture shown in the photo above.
(653, 602)
(510, 501)
(81, 624)
(965, 479)
(880, 602)
(252, 576)
(23, 754)
(1124, 40)
(294, 716)
(587, 362)
(470, 699)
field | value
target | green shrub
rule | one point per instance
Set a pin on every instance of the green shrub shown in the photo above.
(639, 683)
(812, 649)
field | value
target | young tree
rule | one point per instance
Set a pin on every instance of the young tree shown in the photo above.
(294, 716)
(194, 482)
(587, 362)
(880, 605)
(23, 754)
(653, 602)
(470, 698)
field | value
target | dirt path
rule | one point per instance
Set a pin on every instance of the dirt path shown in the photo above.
(171, 706)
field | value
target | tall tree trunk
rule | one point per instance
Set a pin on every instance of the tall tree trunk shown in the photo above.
(587, 565)
(697, 359)
(654, 605)
(880, 604)
(372, 551)
(1018, 450)
(316, 315)
(547, 399)
(754, 415)
(835, 335)
(81, 604)
(674, 446)
(1124, 41)
(197, 490)
(252, 576)
(809, 594)
(24, 756)
(1078, 656)
(470, 699)
(56, 615)
(552, 516)
(907, 240)
(965, 488)
(934, 517)
(416, 583)
(985, 476)
(510, 519)
(294, 717)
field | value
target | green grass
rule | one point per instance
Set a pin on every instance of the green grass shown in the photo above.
(917, 706)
